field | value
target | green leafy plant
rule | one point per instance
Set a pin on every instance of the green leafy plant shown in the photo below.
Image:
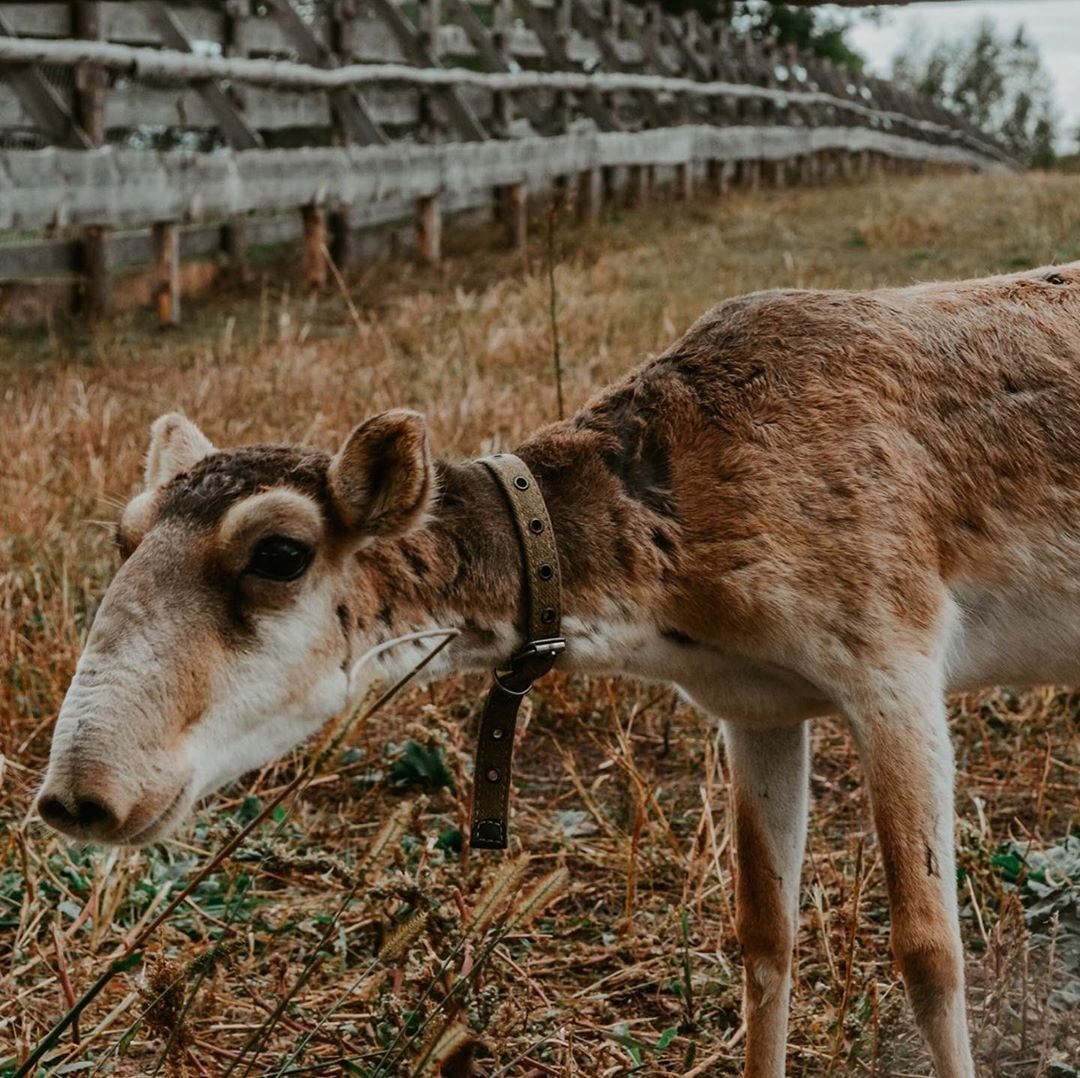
(421, 766)
(1047, 883)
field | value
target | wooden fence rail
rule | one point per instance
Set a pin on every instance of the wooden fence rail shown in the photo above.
(156, 63)
(179, 119)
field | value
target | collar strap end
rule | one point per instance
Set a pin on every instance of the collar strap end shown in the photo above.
(488, 835)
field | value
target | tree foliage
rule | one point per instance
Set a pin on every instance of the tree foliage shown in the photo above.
(784, 24)
(807, 28)
(997, 82)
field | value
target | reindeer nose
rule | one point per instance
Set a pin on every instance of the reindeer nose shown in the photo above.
(83, 816)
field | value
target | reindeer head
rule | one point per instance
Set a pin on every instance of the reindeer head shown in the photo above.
(225, 638)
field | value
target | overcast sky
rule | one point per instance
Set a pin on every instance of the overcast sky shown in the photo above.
(1054, 25)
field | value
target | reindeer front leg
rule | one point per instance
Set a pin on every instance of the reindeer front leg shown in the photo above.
(900, 729)
(770, 788)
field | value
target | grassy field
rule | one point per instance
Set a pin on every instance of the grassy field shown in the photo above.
(347, 926)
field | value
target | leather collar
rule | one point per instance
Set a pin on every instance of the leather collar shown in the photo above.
(542, 587)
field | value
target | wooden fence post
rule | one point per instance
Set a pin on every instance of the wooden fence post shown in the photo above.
(90, 79)
(560, 193)
(339, 226)
(684, 180)
(750, 174)
(97, 271)
(502, 28)
(90, 83)
(430, 12)
(718, 176)
(609, 184)
(517, 215)
(640, 177)
(429, 229)
(234, 243)
(340, 218)
(314, 218)
(589, 195)
(166, 236)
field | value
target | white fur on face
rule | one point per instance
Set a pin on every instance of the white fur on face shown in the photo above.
(132, 769)
(164, 709)
(266, 701)
(112, 738)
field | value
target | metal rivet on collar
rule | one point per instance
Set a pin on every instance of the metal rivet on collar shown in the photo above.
(536, 525)
(545, 572)
(521, 482)
(497, 733)
(548, 615)
(493, 775)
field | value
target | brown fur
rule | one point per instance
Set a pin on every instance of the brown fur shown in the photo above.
(883, 442)
(803, 490)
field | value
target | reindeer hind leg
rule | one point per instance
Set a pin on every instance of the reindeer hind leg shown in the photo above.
(899, 724)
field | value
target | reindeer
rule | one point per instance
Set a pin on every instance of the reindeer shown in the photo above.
(813, 502)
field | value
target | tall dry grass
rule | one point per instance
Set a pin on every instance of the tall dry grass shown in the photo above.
(633, 964)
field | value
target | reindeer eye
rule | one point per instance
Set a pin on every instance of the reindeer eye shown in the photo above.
(279, 558)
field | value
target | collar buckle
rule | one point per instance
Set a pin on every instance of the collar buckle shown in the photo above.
(547, 650)
(528, 664)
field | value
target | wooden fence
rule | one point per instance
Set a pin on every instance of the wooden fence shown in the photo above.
(148, 133)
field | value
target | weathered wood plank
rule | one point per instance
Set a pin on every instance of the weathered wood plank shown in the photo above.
(557, 55)
(12, 113)
(39, 99)
(51, 259)
(237, 131)
(125, 187)
(351, 110)
(43, 258)
(37, 20)
(647, 40)
(131, 23)
(697, 67)
(169, 64)
(410, 42)
(489, 53)
(121, 21)
(131, 105)
(611, 52)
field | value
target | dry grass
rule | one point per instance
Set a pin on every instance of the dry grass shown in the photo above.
(346, 926)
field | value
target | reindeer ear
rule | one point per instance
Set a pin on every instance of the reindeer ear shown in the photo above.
(176, 445)
(382, 480)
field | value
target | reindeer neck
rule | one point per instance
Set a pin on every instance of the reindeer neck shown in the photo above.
(464, 569)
